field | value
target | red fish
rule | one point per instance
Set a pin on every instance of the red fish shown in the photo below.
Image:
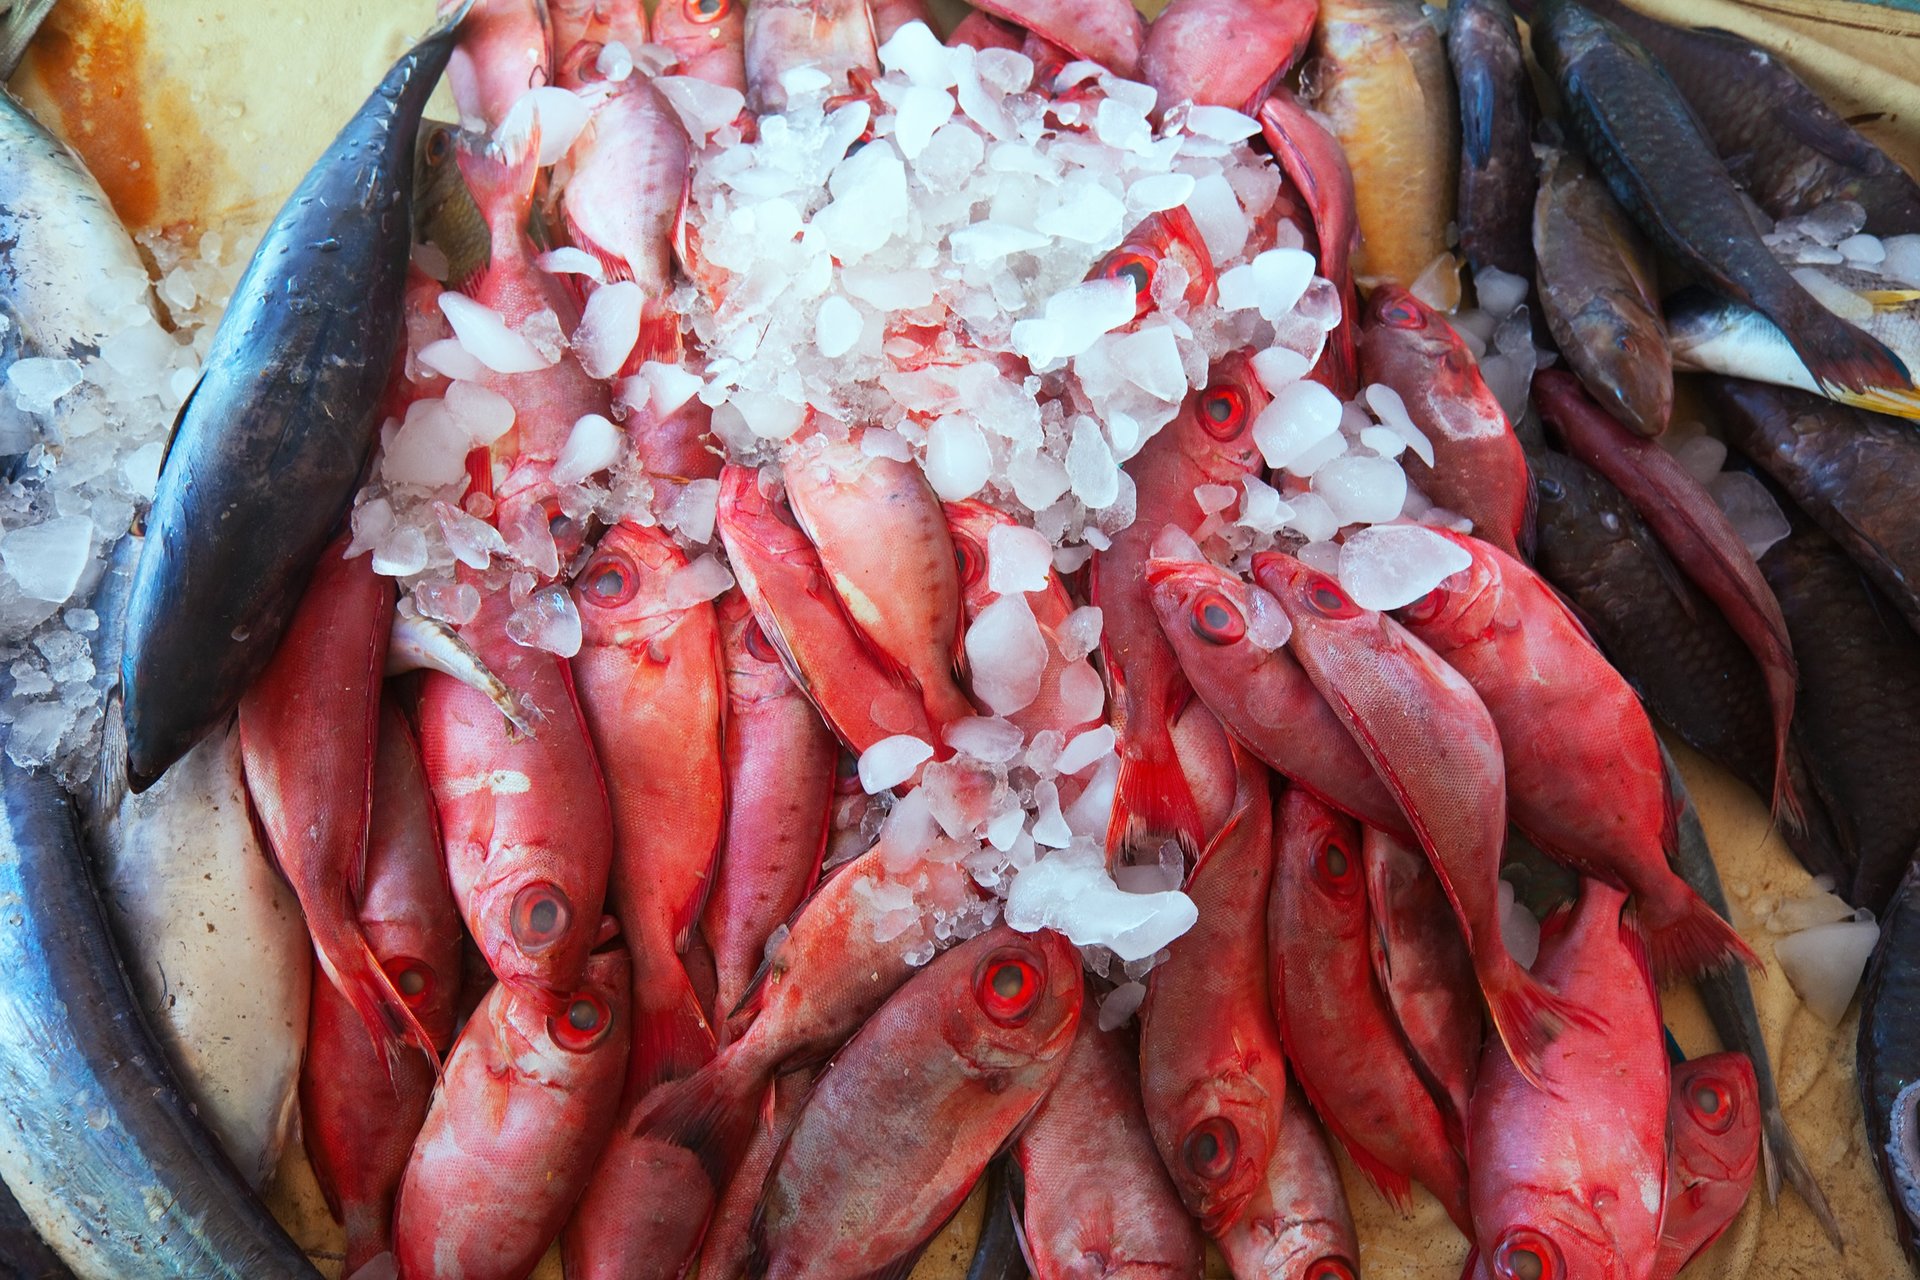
(1431, 740)
(650, 685)
(1099, 1202)
(891, 15)
(1072, 696)
(1333, 1014)
(359, 1121)
(833, 36)
(308, 728)
(1298, 1226)
(1168, 237)
(502, 53)
(1585, 780)
(1109, 32)
(1210, 442)
(524, 819)
(527, 1101)
(1317, 167)
(1694, 530)
(1227, 53)
(723, 1254)
(884, 546)
(1714, 1112)
(641, 1216)
(1422, 967)
(1479, 468)
(706, 37)
(980, 30)
(1211, 1069)
(862, 699)
(1262, 696)
(1570, 1175)
(983, 1032)
(781, 764)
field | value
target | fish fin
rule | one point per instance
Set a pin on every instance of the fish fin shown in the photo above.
(1394, 1187)
(1692, 939)
(710, 1113)
(1527, 1014)
(659, 337)
(1841, 356)
(1152, 801)
(1898, 402)
(17, 32)
(381, 1008)
(671, 1036)
(1889, 299)
(1783, 1160)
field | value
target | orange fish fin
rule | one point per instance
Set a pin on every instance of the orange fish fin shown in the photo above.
(1394, 1187)
(710, 1113)
(1527, 1015)
(1694, 941)
(671, 1037)
(659, 337)
(1152, 801)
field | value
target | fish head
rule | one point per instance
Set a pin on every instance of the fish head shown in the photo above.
(1465, 603)
(1635, 374)
(551, 1038)
(754, 669)
(1166, 244)
(1214, 430)
(676, 21)
(1201, 607)
(1415, 349)
(445, 211)
(756, 520)
(1305, 593)
(580, 29)
(625, 594)
(1022, 1002)
(504, 50)
(529, 924)
(1225, 1134)
(1714, 1111)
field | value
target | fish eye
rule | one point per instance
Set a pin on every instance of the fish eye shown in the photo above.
(1137, 269)
(1330, 1268)
(411, 978)
(1550, 489)
(1402, 312)
(1525, 1254)
(1223, 411)
(1216, 621)
(1334, 866)
(703, 12)
(1427, 607)
(1007, 987)
(1711, 1105)
(609, 580)
(967, 559)
(584, 1025)
(1328, 600)
(757, 643)
(1210, 1148)
(439, 146)
(539, 917)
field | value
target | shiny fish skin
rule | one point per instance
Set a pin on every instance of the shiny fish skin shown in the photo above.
(275, 435)
(1109, 32)
(1099, 1203)
(1714, 1115)
(504, 50)
(147, 1188)
(1298, 1226)
(1888, 1059)
(1317, 167)
(983, 1031)
(1496, 135)
(1227, 53)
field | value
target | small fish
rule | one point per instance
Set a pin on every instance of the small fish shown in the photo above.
(1098, 1198)
(1333, 1014)
(1209, 442)
(1714, 1114)
(526, 1102)
(1781, 142)
(1109, 32)
(983, 1032)
(1226, 53)
(1709, 334)
(1585, 781)
(446, 215)
(270, 445)
(649, 676)
(1570, 1176)
(1888, 1059)
(1211, 1067)
(1169, 236)
(1598, 294)
(708, 39)
(834, 37)
(1847, 469)
(1422, 967)
(1432, 741)
(1263, 696)
(1478, 467)
(1694, 530)
(1496, 135)
(1647, 143)
(504, 51)
(418, 643)
(1317, 167)
(1298, 1226)
(1388, 96)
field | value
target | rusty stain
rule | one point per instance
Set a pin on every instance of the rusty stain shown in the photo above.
(88, 58)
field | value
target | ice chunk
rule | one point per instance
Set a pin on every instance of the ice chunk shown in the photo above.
(1824, 964)
(1387, 566)
(1280, 367)
(984, 242)
(1080, 633)
(1268, 626)
(448, 358)
(1018, 559)
(1312, 517)
(1217, 214)
(430, 449)
(1050, 829)
(1150, 359)
(1755, 516)
(141, 468)
(1070, 890)
(568, 260)
(485, 335)
(473, 541)
(561, 115)
(47, 559)
(1074, 319)
(836, 327)
(483, 414)
(1500, 292)
(38, 382)
(1832, 222)
(771, 417)
(609, 327)
(1120, 1004)
(593, 445)
(989, 740)
(1223, 124)
(1703, 456)
(1083, 695)
(699, 580)
(1280, 277)
(958, 462)
(615, 62)
(403, 554)
(1902, 260)
(921, 110)
(915, 52)
(1085, 750)
(547, 621)
(1301, 415)
(1006, 655)
(703, 107)
(1518, 929)
(1261, 509)
(1159, 191)
(1362, 489)
(669, 386)
(891, 761)
(1094, 474)
(1038, 478)
(1086, 213)
(1392, 412)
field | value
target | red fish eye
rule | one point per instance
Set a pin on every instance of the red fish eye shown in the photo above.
(702, 12)
(610, 580)
(411, 978)
(1427, 607)
(1210, 1148)
(967, 558)
(757, 643)
(1328, 599)
(539, 917)
(1223, 411)
(1335, 867)
(1137, 269)
(1330, 1269)
(585, 1023)
(1007, 988)
(1216, 621)
(1711, 1105)
(1402, 313)
(1525, 1254)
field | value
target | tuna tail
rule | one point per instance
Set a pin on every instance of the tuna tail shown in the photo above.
(1686, 938)
(671, 1036)
(363, 984)
(1152, 801)
(711, 1112)
(1843, 357)
(1526, 1014)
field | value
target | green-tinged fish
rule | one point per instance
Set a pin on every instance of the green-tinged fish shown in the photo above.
(1388, 96)
(1599, 295)
(1710, 334)
(270, 445)
(1496, 135)
(1635, 126)
(1782, 143)
(445, 214)
(1853, 472)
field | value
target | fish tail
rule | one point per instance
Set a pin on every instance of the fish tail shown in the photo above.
(1152, 802)
(710, 1113)
(671, 1036)
(355, 972)
(1527, 1015)
(1898, 402)
(1783, 1159)
(1687, 938)
(1841, 356)
(659, 338)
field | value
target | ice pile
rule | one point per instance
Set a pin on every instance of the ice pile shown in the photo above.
(83, 437)
(1748, 503)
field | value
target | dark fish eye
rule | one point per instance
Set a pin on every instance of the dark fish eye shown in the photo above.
(1550, 489)
(439, 144)
(1223, 411)
(1330, 1269)
(968, 560)
(1135, 268)
(1211, 1148)
(1216, 621)
(1402, 313)
(757, 643)
(1328, 600)
(584, 1025)
(1333, 866)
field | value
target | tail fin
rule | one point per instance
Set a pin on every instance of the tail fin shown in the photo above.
(1898, 402)
(1686, 938)
(1152, 802)
(1842, 356)
(1782, 1156)
(363, 984)
(1528, 1016)
(671, 1037)
(711, 1112)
